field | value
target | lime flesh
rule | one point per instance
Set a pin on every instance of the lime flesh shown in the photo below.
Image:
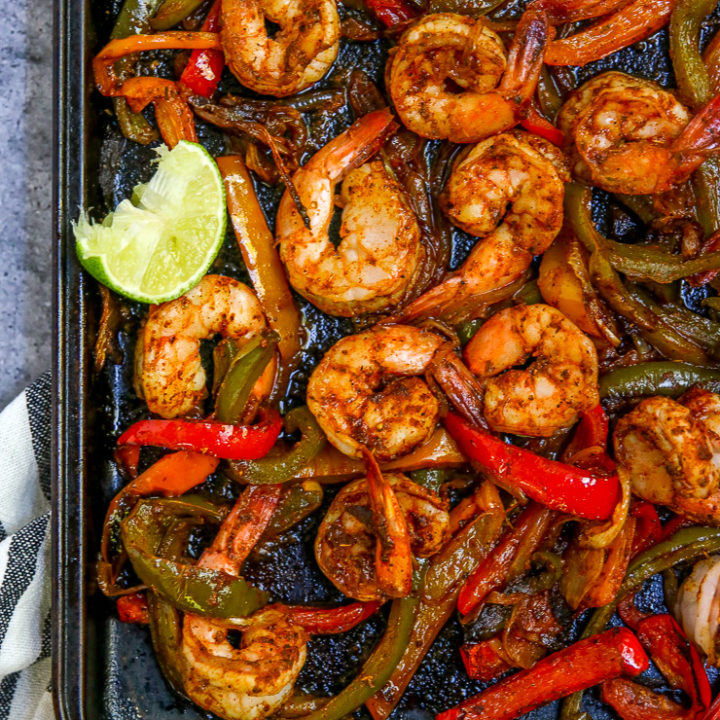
(159, 245)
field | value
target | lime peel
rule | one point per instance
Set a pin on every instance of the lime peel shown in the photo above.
(161, 244)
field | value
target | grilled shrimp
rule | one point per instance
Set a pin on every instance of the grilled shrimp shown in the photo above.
(380, 247)
(346, 539)
(295, 57)
(671, 452)
(630, 136)
(698, 606)
(249, 682)
(494, 90)
(365, 391)
(507, 190)
(549, 394)
(169, 374)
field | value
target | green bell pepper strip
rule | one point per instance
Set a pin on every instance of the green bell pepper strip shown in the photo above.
(378, 667)
(281, 466)
(695, 89)
(164, 620)
(187, 587)
(651, 327)
(656, 378)
(295, 504)
(686, 545)
(223, 354)
(658, 331)
(441, 583)
(430, 478)
(166, 634)
(247, 365)
(133, 19)
(638, 262)
(173, 12)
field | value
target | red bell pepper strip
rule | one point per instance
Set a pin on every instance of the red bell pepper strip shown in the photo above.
(391, 12)
(676, 657)
(329, 621)
(648, 528)
(133, 609)
(713, 712)
(558, 486)
(586, 663)
(204, 69)
(538, 125)
(483, 661)
(493, 572)
(592, 431)
(632, 23)
(109, 84)
(228, 442)
(632, 701)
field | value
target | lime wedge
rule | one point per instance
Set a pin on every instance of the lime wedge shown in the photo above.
(161, 243)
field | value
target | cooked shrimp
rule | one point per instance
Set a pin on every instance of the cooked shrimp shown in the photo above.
(365, 391)
(628, 135)
(346, 540)
(550, 393)
(296, 56)
(698, 606)
(671, 452)
(380, 247)
(507, 190)
(494, 90)
(169, 373)
(249, 682)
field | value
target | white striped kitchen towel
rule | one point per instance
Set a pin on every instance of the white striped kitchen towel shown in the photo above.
(25, 692)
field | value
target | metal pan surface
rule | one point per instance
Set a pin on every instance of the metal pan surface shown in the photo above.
(104, 669)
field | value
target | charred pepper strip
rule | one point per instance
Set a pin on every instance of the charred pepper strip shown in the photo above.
(513, 551)
(686, 545)
(279, 468)
(173, 12)
(221, 440)
(656, 378)
(608, 655)
(391, 12)
(133, 609)
(635, 261)
(133, 19)
(329, 621)
(257, 245)
(634, 22)
(378, 667)
(204, 69)
(558, 486)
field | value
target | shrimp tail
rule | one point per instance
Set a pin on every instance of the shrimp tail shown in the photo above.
(700, 138)
(357, 144)
(393, 557)
(525, 58)
(442, 301)
(460, 385)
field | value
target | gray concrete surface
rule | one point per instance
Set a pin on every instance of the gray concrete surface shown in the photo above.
(26, 39)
